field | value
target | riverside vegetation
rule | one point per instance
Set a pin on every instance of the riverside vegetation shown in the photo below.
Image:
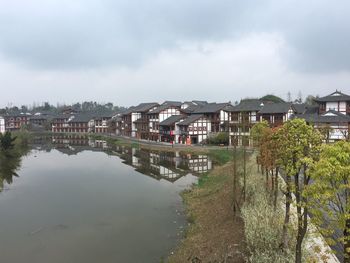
(240, 212)
(12, 149)
(243, 212)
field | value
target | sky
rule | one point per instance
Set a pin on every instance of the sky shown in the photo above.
(132, 51)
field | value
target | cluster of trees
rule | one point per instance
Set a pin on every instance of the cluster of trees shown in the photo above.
(309, 99)
(86, 106)
(6, 141)
(316, 175)
(12, 149)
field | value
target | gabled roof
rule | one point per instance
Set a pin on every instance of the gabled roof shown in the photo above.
(173, 103)
(300, 108)
(335, 96)
(128, 111)
(143, 107)
(212, 108)
(271, 108)
(191, 108)
(200, 102)
(311, 109)
(248, 105)
(81, 118)
(162, 107)
(190, 119)
(172, 120)
(18, 114)
(330, 116)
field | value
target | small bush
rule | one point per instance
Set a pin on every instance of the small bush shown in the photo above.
(220, 138)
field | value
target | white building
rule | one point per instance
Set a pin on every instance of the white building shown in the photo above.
(2, 124)
(194, 129)
(158, 115)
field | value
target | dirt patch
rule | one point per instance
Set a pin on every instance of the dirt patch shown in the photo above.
(215, 233)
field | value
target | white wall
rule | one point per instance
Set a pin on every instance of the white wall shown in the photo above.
(2, 125)
(334, 106)
(134, 116)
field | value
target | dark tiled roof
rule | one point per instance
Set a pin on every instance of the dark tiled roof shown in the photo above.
(19, 114)
(248, 105)
(81, 118)
(171, 120)
(299, 108)
(143, 107)
(212, 108)
(128, 111)
(161, 108)
(190, 119)
(41, 117)
(191, 108)
(328, 117)
(282, 107)
(200, 102)
(117, 118)
(311, 109)
(335, 96)
(173, 103)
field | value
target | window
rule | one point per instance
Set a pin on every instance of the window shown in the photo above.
(234, 116)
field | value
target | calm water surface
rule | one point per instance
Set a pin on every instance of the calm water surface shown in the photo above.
(72, 202)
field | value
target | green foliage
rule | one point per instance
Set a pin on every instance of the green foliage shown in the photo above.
(301, 146)
(6, 141)
(330, 191)
(220, 138)
(326, 131)
(221, 156)
(10, 160)
(310, 100)
(257, 131)
(271, 98)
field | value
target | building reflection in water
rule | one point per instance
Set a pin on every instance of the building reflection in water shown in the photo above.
(157, 164)
(163, 165)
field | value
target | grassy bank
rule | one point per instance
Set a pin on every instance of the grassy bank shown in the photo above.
(215, 233)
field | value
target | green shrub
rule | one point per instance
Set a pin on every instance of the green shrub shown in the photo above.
(6, 140)
(220, 138)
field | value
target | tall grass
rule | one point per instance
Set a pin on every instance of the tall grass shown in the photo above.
(263, 224)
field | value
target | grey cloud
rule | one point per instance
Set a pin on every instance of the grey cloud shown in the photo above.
(95, 33)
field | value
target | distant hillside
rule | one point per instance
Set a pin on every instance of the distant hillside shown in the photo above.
(271, 98)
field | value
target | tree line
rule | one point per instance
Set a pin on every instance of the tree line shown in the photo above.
(86, 106)
(316, 177)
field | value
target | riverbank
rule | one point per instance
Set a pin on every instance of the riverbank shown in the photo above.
(215, 233)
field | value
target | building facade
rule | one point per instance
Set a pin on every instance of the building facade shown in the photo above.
(2, 124)
(195, 129)
(160, 114)
(16, 121)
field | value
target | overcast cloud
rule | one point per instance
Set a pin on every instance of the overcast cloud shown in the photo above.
(132, 51)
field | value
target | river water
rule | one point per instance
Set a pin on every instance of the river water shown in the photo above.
(77, 200)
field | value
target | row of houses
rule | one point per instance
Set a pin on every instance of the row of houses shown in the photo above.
(193, 122)
(69, 121)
